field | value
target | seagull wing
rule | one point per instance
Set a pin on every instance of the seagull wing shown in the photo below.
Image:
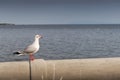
(30, 49)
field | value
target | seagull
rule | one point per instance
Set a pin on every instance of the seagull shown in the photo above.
(31, 49)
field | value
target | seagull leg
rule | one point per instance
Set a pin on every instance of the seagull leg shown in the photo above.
(31, 57)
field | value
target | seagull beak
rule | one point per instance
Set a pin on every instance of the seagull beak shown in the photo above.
(41, 36)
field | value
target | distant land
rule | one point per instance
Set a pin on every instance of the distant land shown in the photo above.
(6, 24)
(62, 26)
(58, 24)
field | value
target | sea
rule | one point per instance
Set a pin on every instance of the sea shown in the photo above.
(61, 41)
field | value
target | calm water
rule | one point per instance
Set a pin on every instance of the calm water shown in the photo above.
(61, 42)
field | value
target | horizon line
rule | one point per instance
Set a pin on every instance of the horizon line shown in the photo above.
(64, 24)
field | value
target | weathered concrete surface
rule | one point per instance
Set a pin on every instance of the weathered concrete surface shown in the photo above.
(14, 71)
(73, 69)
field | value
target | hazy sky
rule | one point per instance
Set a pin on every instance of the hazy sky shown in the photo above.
(60, 11)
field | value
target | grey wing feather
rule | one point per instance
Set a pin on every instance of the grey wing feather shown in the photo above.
(30, 49)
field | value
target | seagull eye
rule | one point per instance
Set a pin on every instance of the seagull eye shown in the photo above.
(37, 36)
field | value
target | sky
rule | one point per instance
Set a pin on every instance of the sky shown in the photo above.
(60, 11)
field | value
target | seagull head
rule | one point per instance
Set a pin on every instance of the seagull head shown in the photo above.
(38, 36)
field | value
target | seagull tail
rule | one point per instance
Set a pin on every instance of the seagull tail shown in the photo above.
(19, 53)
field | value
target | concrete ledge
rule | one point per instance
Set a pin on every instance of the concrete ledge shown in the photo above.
(73, 69)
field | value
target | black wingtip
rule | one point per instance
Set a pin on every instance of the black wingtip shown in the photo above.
(16, 53)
